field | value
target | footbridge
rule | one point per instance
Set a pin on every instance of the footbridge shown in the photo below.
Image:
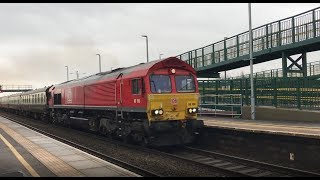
(15, 88)
(294, 35)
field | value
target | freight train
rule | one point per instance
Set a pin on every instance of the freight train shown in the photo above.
(154, 103)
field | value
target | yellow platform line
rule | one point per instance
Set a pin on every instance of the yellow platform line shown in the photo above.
(53, 163)
(20, 158)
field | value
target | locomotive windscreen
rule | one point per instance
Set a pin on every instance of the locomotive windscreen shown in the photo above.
(160, 83)
(185, 83)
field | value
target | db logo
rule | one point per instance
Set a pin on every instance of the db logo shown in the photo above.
(174, 101)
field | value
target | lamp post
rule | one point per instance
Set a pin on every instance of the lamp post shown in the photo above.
(160, 56)
(67, 72)
(77, 73)
(251, 66)
(147, 46)
(99, 62)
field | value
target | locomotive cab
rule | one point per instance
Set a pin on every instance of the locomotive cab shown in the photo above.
(172, 96)
(172, 101)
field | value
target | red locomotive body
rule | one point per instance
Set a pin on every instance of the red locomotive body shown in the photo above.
(154, 103)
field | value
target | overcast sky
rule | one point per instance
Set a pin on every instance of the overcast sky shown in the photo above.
(37, 41)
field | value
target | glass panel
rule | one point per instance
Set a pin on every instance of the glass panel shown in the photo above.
(185, 84)
(136, 86)
(160, 83)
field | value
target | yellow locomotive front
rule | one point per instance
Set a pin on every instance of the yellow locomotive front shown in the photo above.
(172, 107)
(168, 107)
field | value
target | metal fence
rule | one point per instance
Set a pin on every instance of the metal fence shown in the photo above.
(294, 92)
(15, 88)
(225, 104)
(313, 69)
(287, 31)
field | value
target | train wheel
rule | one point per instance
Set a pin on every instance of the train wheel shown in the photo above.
(125, 139)
(35, 116)
(144, 142)
(93, 124)
(45, 117)
(55, 119)
(51, 117)
(66, 120)
(102, 130)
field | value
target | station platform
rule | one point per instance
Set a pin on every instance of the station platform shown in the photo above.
(26, 153)
(285, 127)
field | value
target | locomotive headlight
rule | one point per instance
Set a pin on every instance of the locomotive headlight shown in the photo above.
(173, 71)
(157, 112)
(192, 110)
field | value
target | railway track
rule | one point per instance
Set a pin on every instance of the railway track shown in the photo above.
(235, 165)
(147, 151)
(225, 164)
(265, 166)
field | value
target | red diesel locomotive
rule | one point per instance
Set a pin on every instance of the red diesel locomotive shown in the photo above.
(152, 103)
